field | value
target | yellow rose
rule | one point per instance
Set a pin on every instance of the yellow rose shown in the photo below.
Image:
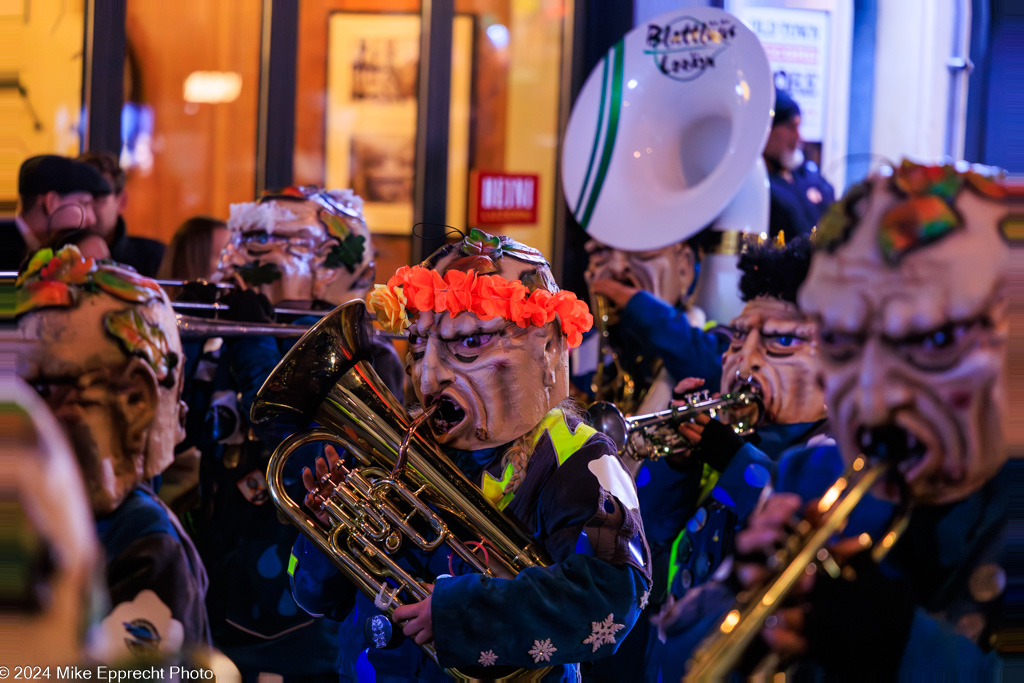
(389, 305)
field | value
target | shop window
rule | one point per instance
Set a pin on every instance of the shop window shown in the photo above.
(356, 108)
(190, 113)
(40, 85)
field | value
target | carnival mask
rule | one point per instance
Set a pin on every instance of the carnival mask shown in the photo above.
(489, 334)
(773, 350)
(104, 354)
(301, 245)
(53, 584)
(909, 291)
(667, 273)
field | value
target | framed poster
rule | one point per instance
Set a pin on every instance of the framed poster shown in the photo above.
(372, 83)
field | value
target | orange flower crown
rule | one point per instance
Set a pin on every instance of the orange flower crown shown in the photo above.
(486, 296)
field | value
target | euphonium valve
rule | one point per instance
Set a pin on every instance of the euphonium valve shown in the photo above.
(398, 488)
(655, 435)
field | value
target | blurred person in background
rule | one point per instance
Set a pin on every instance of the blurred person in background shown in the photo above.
(799, 195)
(87, 241)
(192, 257)
(141, 253)
(195, 249)
(54, 193)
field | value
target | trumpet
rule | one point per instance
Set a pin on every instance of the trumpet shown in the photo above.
(721, 651)
(655, 435)
(399, 487)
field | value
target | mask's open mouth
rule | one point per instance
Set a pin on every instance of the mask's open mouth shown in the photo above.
(897, 445)
(448, 415)
(751, 384)
(628, 279)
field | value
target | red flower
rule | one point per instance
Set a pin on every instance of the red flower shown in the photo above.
(421, 288)
(486, 296)
(461, 286)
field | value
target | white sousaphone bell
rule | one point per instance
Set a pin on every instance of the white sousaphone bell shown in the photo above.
(666, 136)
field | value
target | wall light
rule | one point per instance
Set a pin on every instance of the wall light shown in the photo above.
(498, 33)
(213, 87)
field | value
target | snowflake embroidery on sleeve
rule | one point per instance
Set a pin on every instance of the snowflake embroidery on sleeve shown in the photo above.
(542, 650)
(603, 633)
(487, 658)
(644, 598)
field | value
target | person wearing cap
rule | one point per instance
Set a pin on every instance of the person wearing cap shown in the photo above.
(54, 193)
(799, 195)
(141, 253)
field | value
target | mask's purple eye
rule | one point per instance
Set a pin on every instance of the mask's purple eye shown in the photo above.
(475, 341)
(840, 347)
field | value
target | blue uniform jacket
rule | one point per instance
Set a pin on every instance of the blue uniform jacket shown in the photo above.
(146, 550)
(662, 331)
(578, 503)
(797, 205)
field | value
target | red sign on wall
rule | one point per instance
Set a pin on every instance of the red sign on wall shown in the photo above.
(500, 198)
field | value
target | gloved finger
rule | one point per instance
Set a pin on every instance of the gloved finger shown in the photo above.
(751, 574)
(332, 455)
(784, 642)
(760, 541)
(308, 480)
(690, 432)
(778, 510)
(321, 468)
(685, 386)
(845, 549)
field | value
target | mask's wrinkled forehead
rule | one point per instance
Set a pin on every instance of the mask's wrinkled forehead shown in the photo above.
(131, 309)
(910, 248)
(495, 254)
(254, 216)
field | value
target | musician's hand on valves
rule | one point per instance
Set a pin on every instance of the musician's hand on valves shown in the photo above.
(616, 292)
(691, 431)
(711, 441)
(765, 534)
(826, 617)
(418, 624)
(320, 485)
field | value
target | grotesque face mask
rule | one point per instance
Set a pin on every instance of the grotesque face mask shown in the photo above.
(667, 273)
(486, 350)
(103, 354)
(773, 350)
(913, 330)
(48, 601)
(301, 245)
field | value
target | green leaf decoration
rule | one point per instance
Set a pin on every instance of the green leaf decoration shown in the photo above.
(335, 226)
(139, 337)
(256, 274)
(480, 243)
(349, 253)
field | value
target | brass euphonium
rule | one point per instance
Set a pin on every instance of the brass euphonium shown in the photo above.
(722, 650)
(401, 487)
(655, 435)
